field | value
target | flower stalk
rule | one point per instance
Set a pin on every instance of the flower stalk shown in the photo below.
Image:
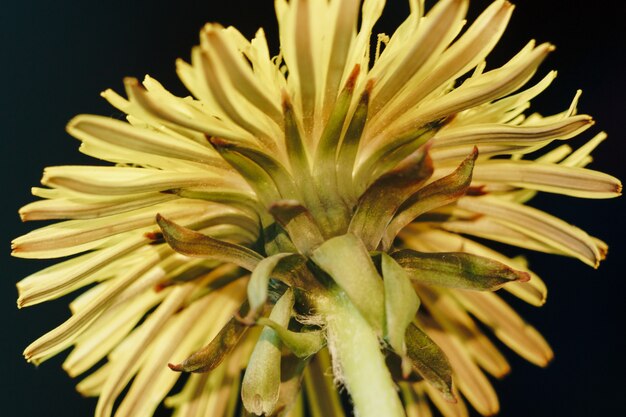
(358, 362)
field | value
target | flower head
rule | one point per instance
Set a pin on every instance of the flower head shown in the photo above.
(310, 211)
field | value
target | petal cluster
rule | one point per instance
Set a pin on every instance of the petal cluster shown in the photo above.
(320, 209)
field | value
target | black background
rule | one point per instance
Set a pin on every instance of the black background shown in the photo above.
(57, 56)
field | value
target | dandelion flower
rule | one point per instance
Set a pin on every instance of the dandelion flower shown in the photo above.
(314, 211)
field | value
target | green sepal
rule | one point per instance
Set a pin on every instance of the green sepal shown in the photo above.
(257, 177)
(349, 146)
(293, 139)
(276, 239)
(457, 270)
(274, 169)
(391, 153)
(330, 211)
(324, 168)
(401, 303)
(281, 177)
(231, 197)
(299, 161)
(348, 262)
(194, 244)
(429, 361)
(212, 355)
(299, 224)
(380, 201)
(261, 382)
(260, 278)
(301, 344)
(439, 193)
(326, 150)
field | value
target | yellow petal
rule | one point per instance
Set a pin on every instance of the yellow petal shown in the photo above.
(537, 224)
(88, 207)
(506, 134)
(554, 178)
(183, 333)
(107, 332)
(70, 237)
(455, 320)
(129, 359)
(447, 409)
(507, 325)
(471, 381)
(64, 335)
(478, 90)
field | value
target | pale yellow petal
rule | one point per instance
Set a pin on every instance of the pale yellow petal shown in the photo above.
(463, 55)
(506, 134)
(579, 155)
(455, 320)
(184, 333)
(507, 325)
(489, 228)
(176, 112)
(431, 37)
(130, 358)
(475, 91)
(243, 114)
(89, 207)
(69, 237)
(447, 409)
(554, 178)
(92, 384)
(471, 381)
(505, 109)
(344, 14)
(107, 332)
(116, 181)
(115, 132)
(72, 274)
(63, 336)
(537, 224)
(242, 75)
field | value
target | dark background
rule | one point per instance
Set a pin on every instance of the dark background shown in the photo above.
(57, 57)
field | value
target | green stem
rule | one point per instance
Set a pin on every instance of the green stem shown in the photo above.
(356, 354)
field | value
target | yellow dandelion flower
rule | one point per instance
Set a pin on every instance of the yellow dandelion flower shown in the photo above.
(311, 211)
